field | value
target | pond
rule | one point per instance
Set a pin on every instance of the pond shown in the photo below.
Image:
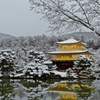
(43, 90)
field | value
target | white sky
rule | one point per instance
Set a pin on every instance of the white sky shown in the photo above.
(16, 19)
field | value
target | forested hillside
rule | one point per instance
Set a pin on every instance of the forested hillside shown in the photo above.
(5, 36)
(43, 43)
(23, 45)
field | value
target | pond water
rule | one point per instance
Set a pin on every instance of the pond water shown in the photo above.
(40, 90)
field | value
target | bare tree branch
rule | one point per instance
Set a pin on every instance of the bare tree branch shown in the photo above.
(66, 14)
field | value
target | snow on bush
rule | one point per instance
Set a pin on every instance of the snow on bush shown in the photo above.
(82, 62)
(7, 61)
(35, 66)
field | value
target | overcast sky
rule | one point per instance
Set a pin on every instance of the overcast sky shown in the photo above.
(16, 19)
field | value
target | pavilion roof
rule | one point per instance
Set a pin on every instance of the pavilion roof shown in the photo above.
(69, 41)
(68, 52)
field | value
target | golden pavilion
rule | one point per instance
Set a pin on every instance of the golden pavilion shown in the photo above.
(67, 53)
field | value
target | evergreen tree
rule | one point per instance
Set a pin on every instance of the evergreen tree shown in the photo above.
(7, 64)
(83, 63)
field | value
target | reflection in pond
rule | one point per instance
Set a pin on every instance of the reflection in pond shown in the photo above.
(95, 95)
(72, 90)
(68, 96)
(6, 89)
(49, 90)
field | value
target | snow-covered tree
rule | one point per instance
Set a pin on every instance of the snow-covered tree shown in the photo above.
(83, 63)
(36, 56)
(7, 61)
(97, 63)
(35, 65)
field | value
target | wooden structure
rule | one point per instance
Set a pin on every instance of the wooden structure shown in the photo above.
(68, 51)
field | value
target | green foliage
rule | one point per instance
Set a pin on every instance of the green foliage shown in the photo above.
(6, 89)
(29, 84)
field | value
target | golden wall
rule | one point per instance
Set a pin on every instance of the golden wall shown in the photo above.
(63, 57)
(70, 47)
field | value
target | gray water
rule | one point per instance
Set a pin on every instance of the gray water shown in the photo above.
(38, 90)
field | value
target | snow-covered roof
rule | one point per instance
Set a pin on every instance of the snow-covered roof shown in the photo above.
(69, 41)
(67, 52)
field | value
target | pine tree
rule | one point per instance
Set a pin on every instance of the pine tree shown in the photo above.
(83, 63)
(7, 64)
